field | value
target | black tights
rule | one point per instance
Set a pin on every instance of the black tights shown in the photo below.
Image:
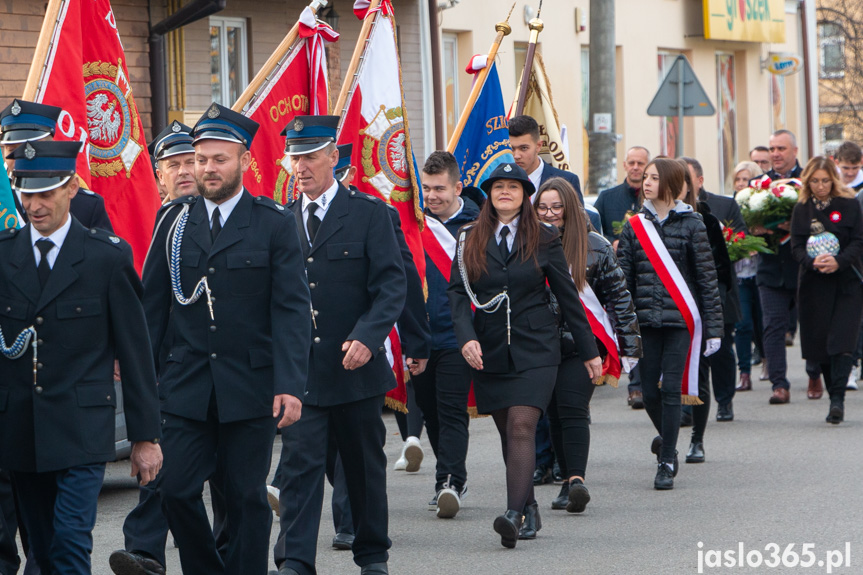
(517, 428)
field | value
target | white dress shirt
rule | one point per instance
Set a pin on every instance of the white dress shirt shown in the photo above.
(58, 237)
(323, 202)
(225, 208)
(536, 177)
(510, 238)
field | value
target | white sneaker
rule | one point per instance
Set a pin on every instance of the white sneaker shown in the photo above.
(413, 452)
(273, 499)
(448, 503)
(402, 461)
(852, 379)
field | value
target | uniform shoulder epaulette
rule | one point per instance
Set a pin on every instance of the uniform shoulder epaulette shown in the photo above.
(86, 191)
(181, 201)
(354, 193)
(270, 203)
(107, 237)
(8, 234)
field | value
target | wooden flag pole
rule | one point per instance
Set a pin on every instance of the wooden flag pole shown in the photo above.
(273, 61)
(356, 58)
(43, 45)
(503, 29)
(536, 27)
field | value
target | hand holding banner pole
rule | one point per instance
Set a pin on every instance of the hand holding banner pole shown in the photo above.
(503, 29)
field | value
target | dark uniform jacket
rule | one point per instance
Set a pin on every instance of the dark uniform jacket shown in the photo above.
(414, 331)
(437, 304)
(534, 337)
(87, 206)
(685, 237)
(88, 314)
(725, 209)
(357, 284)
(256, 347)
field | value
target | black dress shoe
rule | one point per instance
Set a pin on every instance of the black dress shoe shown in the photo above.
(695, 453)
(725, 412)
(343, 541)
(664, 479)
(578, 497)
(837, 412)
(542, 475)
(532, 522)
(562, 498)
(508, 526)
(124, 562)
(374, 569)
(286, 571)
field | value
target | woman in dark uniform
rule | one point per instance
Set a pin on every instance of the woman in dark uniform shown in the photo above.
(512, 344)
(829, 289)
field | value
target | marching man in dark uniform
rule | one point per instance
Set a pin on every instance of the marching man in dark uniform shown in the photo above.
(23, 121)
(233, 289)
(71, 304)
(357, 283)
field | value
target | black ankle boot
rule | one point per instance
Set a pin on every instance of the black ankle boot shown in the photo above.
(578, 497)
(562, 498)
(532, 522)
(507, 526)
(837, 411)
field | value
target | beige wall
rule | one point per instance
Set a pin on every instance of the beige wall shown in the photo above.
(643, 28)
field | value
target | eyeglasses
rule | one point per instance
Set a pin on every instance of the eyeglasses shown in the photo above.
(555, 210)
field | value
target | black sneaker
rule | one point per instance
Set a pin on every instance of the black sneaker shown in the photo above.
(837, 412)
(562, 498)
(578, 498)
(664, 478)
(433, 502)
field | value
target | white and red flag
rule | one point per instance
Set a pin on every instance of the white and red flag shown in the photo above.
(297, 86)
(600, 325)
(83, 70)
(376, 123)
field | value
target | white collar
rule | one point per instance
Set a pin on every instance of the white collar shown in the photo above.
(458, 211)
(513, 227)
(536, 175)
(225, 208)
(58, 237)
(324, 200)
(857, 181)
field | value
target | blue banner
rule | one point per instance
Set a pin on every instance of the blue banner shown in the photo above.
(8, 214)
(484, 143)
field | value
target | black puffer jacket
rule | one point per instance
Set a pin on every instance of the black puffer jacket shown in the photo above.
(609, 284)
(685, 237)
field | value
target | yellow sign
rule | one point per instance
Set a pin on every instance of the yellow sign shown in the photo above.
(745, 20)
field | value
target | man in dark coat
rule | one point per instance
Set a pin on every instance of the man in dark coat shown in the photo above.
(357, 282)
(234, 295)
(442, 391)
(615, 203)
(23, 121)
(78, 291)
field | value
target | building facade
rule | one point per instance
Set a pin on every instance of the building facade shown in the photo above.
(750, 102)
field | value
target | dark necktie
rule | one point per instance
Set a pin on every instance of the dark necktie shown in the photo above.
(216, 226)
(313, 223)
(504, 248)
(44, 269)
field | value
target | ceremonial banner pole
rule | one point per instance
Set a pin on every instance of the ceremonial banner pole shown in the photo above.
(354, 65)
(503, 29)
(274, 60)
(49, 25)
(536, 27)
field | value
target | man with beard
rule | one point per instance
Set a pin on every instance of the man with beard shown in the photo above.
(233, 291)
(146, 529)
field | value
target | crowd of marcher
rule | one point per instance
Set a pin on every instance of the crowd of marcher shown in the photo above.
(254, 316)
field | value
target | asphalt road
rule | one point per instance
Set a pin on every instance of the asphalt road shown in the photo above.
(776, 475)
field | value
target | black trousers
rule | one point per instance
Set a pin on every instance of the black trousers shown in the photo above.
(442, 392)
(836, 374)
(664, 356)
(241, 451)
(343, 519)
(146, 529)
(58, 509)
(9, 560)
(360, 435)
(568, 414)
(776, 307)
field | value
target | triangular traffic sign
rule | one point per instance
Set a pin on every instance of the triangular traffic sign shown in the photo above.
(695, 100)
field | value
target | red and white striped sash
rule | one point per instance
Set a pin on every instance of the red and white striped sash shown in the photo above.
(439, 245)
(673, 281)
(600, 325)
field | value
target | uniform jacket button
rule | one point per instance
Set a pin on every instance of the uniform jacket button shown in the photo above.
(211, 271)
(212, 328)
(39, 342)
(346, 253)
(381, 349)
(213, 356)
(317, 340)
(38, 389)
(108, 397)
(316, 312)
(39, 366)
(312, 285)
(39, 321)
(310, 260)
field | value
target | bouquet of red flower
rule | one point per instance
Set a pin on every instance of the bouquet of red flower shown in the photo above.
(742, 246)
(767, 204)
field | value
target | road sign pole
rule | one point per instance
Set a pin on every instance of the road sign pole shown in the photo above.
(680, 111)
